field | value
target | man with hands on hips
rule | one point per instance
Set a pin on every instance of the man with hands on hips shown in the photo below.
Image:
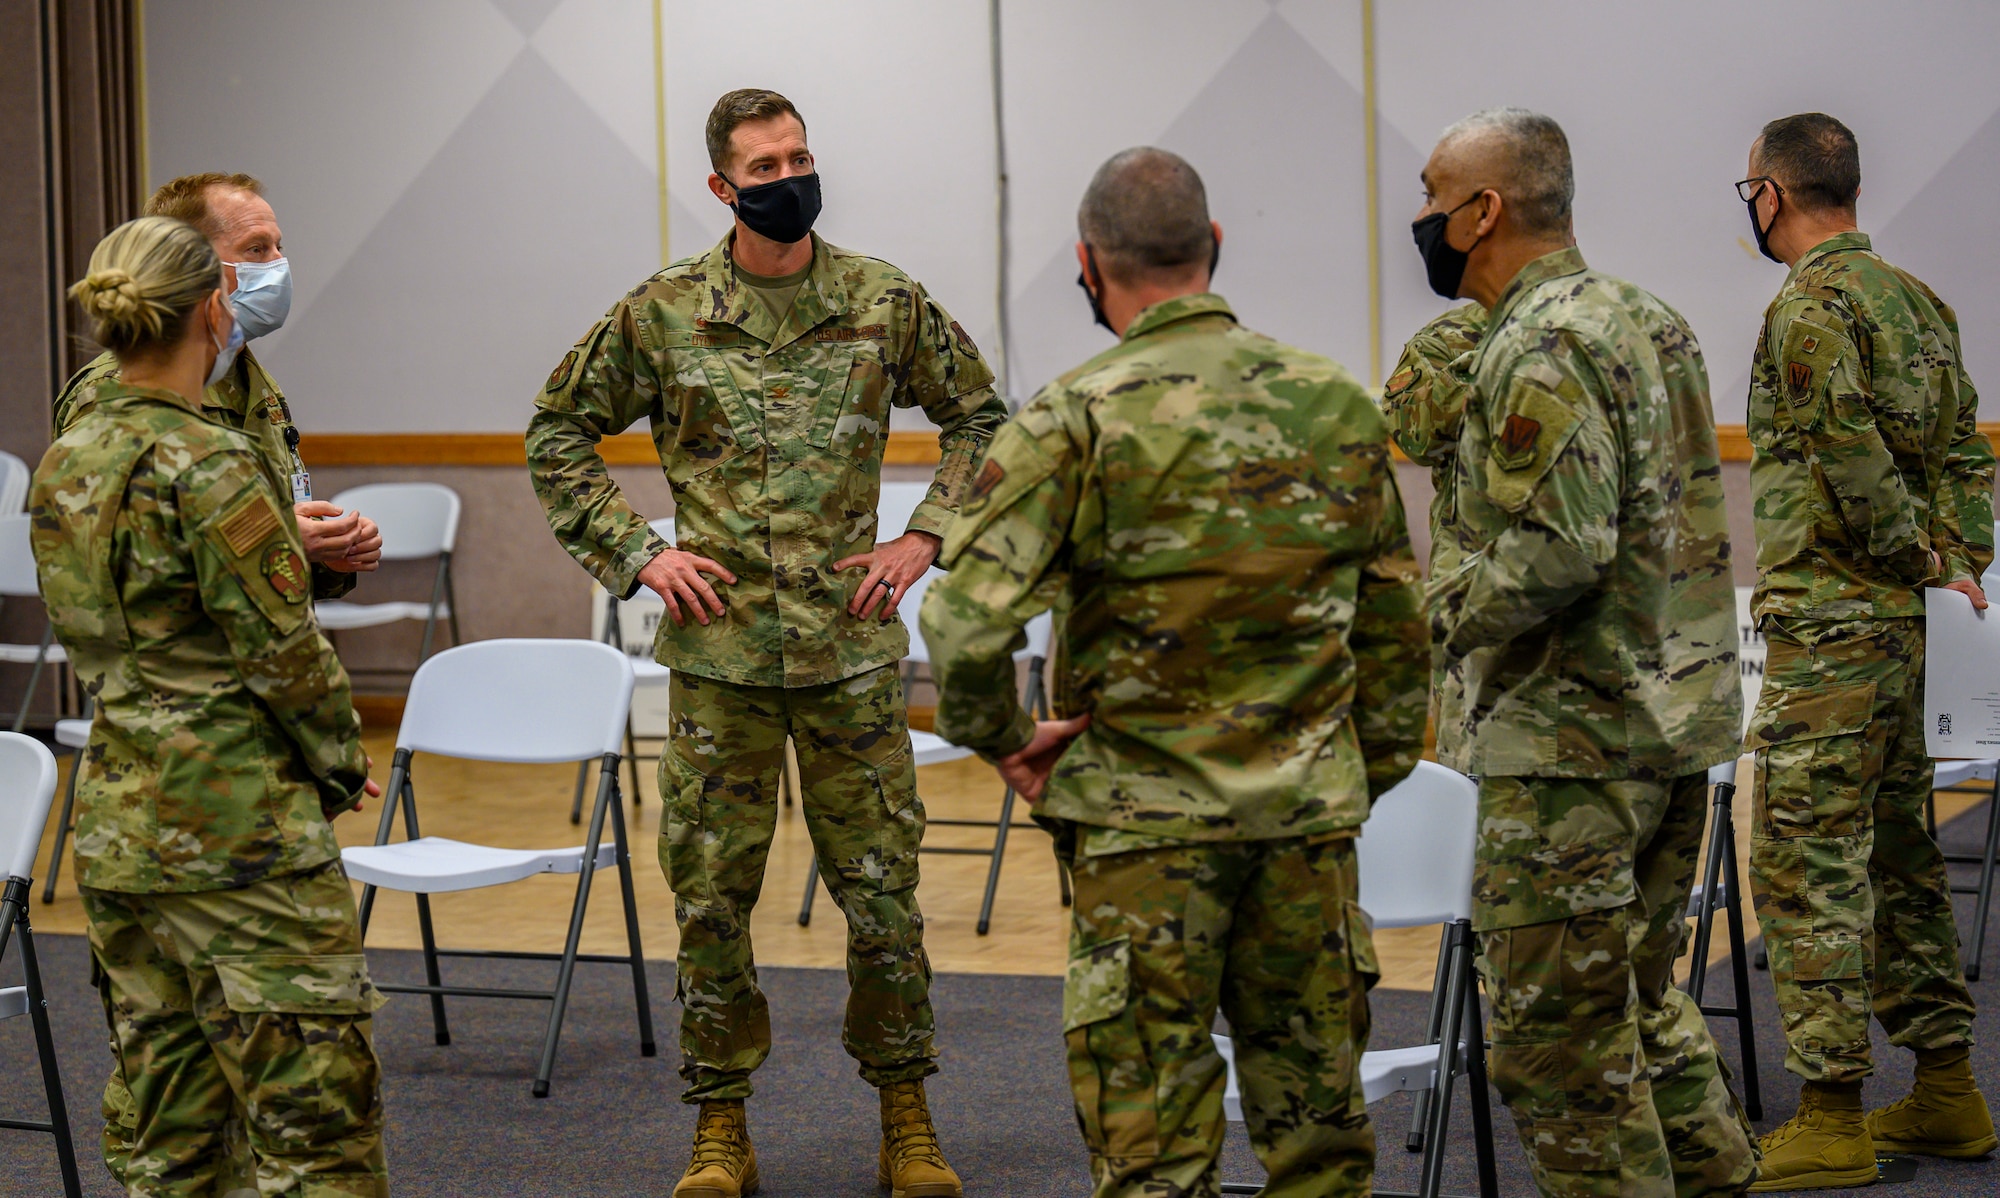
(766, 368)
(230, 210)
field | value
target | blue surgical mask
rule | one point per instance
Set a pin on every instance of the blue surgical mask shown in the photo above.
(263, 296)
(225, 355)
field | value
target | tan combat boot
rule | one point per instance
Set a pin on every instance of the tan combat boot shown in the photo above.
(724, 1164)
(1945, 1115)
(1823, 1147)
(911, 1166)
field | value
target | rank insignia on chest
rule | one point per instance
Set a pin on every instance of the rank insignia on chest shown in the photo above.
(560, 374)
(1515, 447)
(1798, 376)
(285, 570)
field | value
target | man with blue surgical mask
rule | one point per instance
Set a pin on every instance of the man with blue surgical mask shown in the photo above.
(232, 212)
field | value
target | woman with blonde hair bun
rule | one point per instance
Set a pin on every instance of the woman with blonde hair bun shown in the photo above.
(223, 743)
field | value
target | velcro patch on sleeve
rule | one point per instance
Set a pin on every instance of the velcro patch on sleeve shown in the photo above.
(287, 573)
(1399, 381)
(560, 374)
(1531, 435)
(1810, 352)
(250, 525)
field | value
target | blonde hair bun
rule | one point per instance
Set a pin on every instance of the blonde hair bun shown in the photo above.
(145, 279)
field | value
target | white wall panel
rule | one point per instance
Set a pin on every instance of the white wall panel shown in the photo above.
(1661, 104)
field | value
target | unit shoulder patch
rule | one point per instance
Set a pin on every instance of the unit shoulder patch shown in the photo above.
(286, 571)
(560, 374)
(1514, 448)
(1399, 382)
(991, 475)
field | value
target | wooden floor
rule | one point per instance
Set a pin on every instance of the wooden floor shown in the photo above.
(528, 807)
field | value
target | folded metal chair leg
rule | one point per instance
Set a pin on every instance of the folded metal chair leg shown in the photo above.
(62, 830)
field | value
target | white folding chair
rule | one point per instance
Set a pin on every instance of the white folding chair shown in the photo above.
(1718, 889)
(1415, 859)
(14, 476)
(521, 702)
(645, 672)
(418, 520)
(17, 581)
(72, 735)
(27, 786)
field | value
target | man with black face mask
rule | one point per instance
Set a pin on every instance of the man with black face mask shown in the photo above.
(767, 368)
(1592, 624)
(1871, 482)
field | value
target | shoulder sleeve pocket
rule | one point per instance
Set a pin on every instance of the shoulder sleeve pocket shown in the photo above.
(1836, 709)
(1810, 351)
(1015, 463)
(251, 540)
(1534, 426)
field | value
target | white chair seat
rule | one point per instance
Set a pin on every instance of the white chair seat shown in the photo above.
(1389, 1071)
(339, 616)
(72, 734)
(1957, 773)
(13, 1001)
(25, 655)
(435, 865)
(928, 748)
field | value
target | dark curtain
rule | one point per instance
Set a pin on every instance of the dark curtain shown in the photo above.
(71, 148)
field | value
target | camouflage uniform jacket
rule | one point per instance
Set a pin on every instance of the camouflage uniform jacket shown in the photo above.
(771, 436)
(1425, 403)
(1867, 454)
(1215, 518)
(247, 399)
(224, 733)
(1597, 618)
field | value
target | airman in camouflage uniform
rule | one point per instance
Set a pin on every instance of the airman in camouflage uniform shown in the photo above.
(219, 914)
(1424, 400)
(1871, 480)
(247, 399)
(1593, 623)
(1214, 517)
(771, 427)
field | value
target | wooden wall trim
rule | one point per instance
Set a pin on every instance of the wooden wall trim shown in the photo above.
(906, 448)
(506, 449)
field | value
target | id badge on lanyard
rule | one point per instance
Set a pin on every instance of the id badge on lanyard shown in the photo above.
(302, 487)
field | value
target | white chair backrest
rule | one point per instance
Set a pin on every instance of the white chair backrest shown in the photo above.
(909, 605)
(1726, 772)
(17, 559)
(521, 701)
(1415, 851)
(417, 519)
(27, 784)
(14, 475)
(897, 503)
(665, 527)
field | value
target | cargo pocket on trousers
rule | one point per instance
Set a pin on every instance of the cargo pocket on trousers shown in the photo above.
(1585, 1144)
(902, 827)
(298, 984)
(1109, 1074)
(682, 847)
(1805, 786)
(1826, 957)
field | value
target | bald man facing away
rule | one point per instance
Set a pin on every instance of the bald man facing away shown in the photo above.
(1594, 631)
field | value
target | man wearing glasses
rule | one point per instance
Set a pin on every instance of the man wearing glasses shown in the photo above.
(1871, 482)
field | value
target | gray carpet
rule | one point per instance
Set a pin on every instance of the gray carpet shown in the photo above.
(464, 1124)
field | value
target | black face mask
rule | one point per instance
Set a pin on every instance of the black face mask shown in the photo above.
(1090, 270)
(1443, 265)
(1763, 232)
(783, 210)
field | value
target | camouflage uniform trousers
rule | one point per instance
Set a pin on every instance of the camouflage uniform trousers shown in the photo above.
(1579, 899)
(252, 1000)
(1165, 931)
(1851, 888)
(859, 799)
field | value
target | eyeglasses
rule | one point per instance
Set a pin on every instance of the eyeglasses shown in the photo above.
(1748, 189)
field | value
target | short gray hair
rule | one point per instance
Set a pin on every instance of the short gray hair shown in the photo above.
(1145, 213)
(1536, 178)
